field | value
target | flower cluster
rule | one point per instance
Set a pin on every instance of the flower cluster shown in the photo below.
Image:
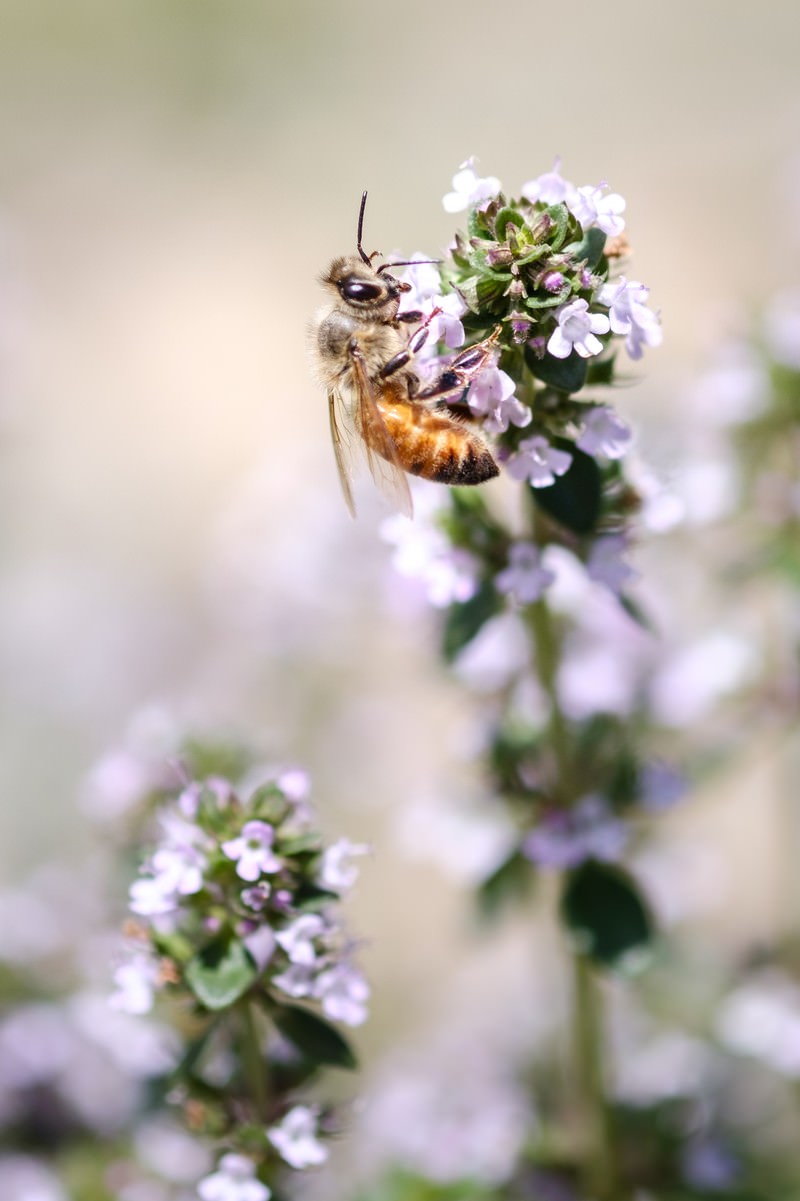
(543, 273)
(234, 921)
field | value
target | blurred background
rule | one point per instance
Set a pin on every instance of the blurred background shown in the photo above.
(173, 178)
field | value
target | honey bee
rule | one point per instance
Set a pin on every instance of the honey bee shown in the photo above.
(375, 402)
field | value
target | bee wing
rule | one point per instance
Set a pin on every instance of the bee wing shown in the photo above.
(378, 444)
(343, 438)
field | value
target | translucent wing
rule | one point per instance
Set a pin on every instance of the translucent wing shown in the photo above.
(343, 439)
(378, 444)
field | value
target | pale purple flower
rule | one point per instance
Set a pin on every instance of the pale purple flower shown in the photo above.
(297, 939)
(606, 564)
(491, 396)
(445, 325)
(569, 837)
(550, 188)
(148, 898)
(261, 945)
(469, 189)
(296, 981)
(422, 552)
(294, 783)
(295, 1138)
(234, 1180)
(629, 315)
(538, 462)
(525, 579)
(252, 850)
(179, 869)
(338, 870)
(424, 279)
(604, 433)
(591, 207)
(576, 330)
(175, 871)
(343, 993)
(136, 982)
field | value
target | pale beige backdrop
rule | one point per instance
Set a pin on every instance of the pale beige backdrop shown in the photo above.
(173, 176)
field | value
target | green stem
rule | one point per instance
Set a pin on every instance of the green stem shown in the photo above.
(595, 1118)
(255, 1064)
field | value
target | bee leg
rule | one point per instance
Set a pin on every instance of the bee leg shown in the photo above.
(415, 344)
(462, 371)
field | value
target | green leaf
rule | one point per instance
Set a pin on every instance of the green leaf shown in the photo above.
(601, 371)
(552, 301)
(221, 973)
(300, 844)
(481, 291)
(477, 226)
(507, 216)
(575, 498)
(465, 619)
(605, 913)
(269, 804)
(565, 375)
(559, 215)
(590, 248)
(315, 1038)
(308, 898)
(511, 881)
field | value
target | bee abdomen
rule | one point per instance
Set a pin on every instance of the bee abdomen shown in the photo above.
(436, 447)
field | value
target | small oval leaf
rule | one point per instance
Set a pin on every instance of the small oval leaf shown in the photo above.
(221, 973)
(575, 498)
(315, 1038)
(565, 375)
(605, 912)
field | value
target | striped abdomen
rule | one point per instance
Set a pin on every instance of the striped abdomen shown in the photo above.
(434, 445)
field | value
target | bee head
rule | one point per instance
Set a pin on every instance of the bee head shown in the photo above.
(363, 288)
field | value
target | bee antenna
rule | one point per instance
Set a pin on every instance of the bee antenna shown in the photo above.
(409, 263)
(361, 230)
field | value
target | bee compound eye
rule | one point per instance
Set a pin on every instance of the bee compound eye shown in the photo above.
(358, 289)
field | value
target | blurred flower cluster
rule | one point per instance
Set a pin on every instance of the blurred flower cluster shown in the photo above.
(234, 921)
